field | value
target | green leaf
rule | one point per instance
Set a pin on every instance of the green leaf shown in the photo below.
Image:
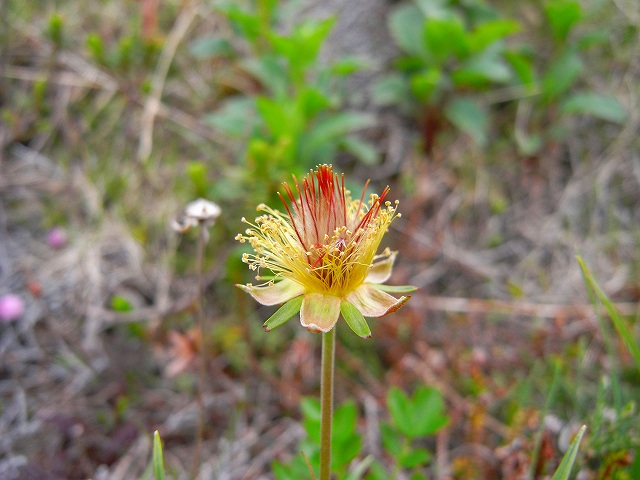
(391, 440)
(311, 101)
(363, 151)
(235, 117)
(406, 26)
(330, 129)
(208, 47)
(428, 412)
(561, 74)
(120, 304)
(488, 32)
(390, 89)
(434, 8)
(400, 411)
(245, 23)
(564, 469)
(270, 71)
(415, 458)
(424, 84)
(158, 458)
(595, 104)
(354, 319)
(445, 38)
(197, 173)
(349, 65)
(482, 69)
(562, 16)
(467, 115)
(394, 288)
(522, 65)
(311, 412)
(279, 118)
(283, 314)
(345, 419)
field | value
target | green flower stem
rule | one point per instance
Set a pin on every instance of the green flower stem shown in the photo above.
(326, 401)
(202, 373)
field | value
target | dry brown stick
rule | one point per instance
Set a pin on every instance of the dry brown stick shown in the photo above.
(529, 309)
(152, 105)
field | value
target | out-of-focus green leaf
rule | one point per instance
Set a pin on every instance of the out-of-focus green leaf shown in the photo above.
(561, 74)
(425, 84)
(332, 128)
(467, 115)
(595, 104)
(235, 117)
(482, 69)
(197, 173)
(406, 25)
(445, 38)
(120, 304)
(415, 458)
(269, 70)
(428, 411)
(562, 15)
(365, 152)
(390, 89)
(208, 47)
(349, 65)
(488, 32)
(522, 65)
(400, 411)
(434, 8)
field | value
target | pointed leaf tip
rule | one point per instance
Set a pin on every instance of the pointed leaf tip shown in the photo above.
(355, 319)
(283, 314)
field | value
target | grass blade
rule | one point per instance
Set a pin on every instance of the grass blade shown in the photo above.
(158, 458)
(564, 469)
(620, 325)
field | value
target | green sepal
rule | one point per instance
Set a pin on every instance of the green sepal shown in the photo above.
(354, 319)
(284, 313)
(394, 288)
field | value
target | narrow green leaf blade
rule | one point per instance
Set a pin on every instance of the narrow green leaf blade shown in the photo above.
(564, 469)
(620, 325)
(283, 314)
(158, 458)
(355, 320)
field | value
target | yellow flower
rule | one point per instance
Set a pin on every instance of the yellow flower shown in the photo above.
(322, 253)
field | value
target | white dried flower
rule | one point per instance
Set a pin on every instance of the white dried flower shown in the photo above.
(199, 212)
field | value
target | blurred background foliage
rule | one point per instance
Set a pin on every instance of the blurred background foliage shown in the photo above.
(508, 130)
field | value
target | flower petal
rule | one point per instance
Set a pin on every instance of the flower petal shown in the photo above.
(373, 302)
(381, 271)
(319, 313)
(274, 294)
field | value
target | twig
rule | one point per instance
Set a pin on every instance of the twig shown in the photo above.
(152, 106)
(478, 305)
